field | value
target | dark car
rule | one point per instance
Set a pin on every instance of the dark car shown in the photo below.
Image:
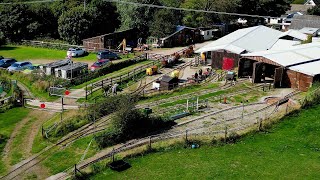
(5, 63)
(99, 64)
(107, 55)
(1, 57)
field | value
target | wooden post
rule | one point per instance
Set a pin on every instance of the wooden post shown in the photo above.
(75, 170)
(120, 79)
(113, 155)
(187, 105)
(86, 91)
(62, 103)
(225, 134)
(102, 83)
(197, 103)
(187, 135)
(91, 88)
(61, 116)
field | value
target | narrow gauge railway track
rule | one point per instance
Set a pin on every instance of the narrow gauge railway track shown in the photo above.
(36, 159)
(203, 92)
(143, 141)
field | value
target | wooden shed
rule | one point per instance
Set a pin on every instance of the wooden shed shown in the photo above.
(295, 67)
(183, 36)
(111, 40)
(168, 83)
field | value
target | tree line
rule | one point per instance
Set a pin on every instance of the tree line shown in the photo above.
(71, 21)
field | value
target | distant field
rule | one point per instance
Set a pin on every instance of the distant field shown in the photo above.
(31, 53)
(290, 150)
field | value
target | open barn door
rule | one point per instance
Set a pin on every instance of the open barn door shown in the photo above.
(257, 72)
(278, 78)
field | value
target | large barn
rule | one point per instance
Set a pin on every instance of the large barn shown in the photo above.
(225, 52)
(181, 37)
(296, 67)
(111, 40)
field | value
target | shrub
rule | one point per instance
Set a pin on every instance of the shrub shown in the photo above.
(70, 125)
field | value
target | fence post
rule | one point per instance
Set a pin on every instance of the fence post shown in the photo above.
(187, 105)
(186, 135)
(120, 79)
(86, 91)
(111, 81)
(225, 133)
(61, 116)
(62, 103)
(113, 155)
(102, 83)
(197, 103)
(260, 124)
(91, 88)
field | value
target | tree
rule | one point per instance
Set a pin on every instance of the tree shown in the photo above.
(273, 8)
(314, 10)
(105, 17)
(2, 39)
(136, 17)
(164, 23)
(197, 19)
(16, 22)
(75, 25)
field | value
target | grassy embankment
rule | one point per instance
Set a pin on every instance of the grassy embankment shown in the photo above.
(8, 121)
(289, 150)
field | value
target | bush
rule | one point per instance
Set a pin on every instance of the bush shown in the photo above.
(70, 125)
(129, 123)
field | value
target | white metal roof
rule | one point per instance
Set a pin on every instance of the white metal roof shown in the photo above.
(299, 58)
(283, 44)
(308, 30)
(251, 39)
(311, 68)
(295, 34)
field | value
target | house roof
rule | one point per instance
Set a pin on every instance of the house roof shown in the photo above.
(57, 63)
(295, 34)
(73, 66)
(178, 29)
(283, 44)
(297, 58)
(167, 79)
(103, 35)
(251, 39)
(299, 8)
(299, 22)
(308, 30)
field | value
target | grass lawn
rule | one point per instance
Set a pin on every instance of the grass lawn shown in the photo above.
(21, 53)
(289, 150)
(8, 121)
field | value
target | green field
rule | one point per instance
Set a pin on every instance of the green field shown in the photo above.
(289, 150)
(21, 53)
(8, 121)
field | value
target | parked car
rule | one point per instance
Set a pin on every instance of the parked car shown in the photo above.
(5, 63)
(19, 66)
(107, 55)
(99, 64)
(75, 52)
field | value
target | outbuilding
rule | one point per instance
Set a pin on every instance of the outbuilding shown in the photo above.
(49, 69)
(296, 67)
(225, 52)
(111, 40)
(168, 83)
(181, 37)
(71, 71)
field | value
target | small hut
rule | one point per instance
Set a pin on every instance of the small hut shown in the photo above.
(168, 83)
(71, 71)
(49, 69)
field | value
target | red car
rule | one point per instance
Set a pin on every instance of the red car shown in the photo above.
(99, 64)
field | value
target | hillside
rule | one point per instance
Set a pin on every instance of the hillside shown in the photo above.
(289, 150)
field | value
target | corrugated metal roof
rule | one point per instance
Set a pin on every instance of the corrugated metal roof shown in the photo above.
(283, 44)
(251, 39)
(308, 30)
(299, 22)
(311, 68)
(291, 56)
(295, 34)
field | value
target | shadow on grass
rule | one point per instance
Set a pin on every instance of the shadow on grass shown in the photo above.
(7, 48)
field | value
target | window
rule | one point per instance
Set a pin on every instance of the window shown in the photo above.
(207, 33)
(209, 55)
